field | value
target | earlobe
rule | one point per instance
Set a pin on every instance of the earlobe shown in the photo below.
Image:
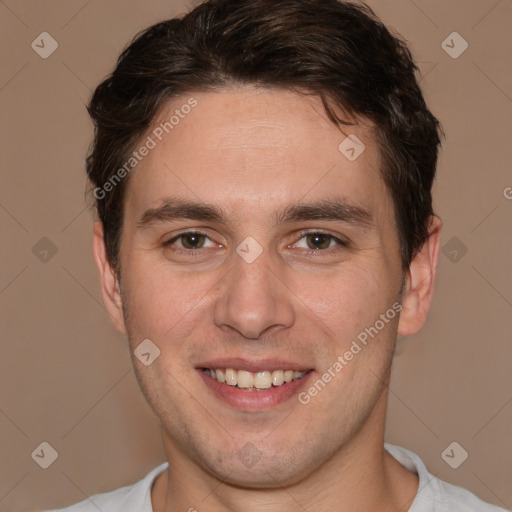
(109, 282)
(420, 279)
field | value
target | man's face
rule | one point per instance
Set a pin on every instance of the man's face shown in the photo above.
(211, 300)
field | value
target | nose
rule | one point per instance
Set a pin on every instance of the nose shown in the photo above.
(253, 299)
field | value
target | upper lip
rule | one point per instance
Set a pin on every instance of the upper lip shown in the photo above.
(253, 365)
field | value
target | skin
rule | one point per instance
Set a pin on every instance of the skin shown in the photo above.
(252, 152)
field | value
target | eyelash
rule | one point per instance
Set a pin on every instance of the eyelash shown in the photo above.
(302, 234)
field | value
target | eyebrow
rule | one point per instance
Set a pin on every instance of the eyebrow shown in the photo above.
(176, 208)
(327, 209)
(336, 209)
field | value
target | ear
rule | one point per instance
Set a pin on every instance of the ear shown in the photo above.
(419, 284)
(110, 290)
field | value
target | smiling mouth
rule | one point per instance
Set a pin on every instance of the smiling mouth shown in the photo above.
(253, 381)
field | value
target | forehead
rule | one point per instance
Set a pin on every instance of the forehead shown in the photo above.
(253, 147)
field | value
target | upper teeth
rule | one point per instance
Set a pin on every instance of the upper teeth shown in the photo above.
(259, 380)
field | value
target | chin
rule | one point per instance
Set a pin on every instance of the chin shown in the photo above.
(268, 467)
(266, 476)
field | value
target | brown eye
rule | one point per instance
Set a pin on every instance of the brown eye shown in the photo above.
(316, 241)
(192, 240)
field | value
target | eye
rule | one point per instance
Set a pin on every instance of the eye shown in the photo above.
(319, 241)
(190, 241)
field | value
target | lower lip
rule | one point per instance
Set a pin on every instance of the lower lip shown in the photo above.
(254, 400)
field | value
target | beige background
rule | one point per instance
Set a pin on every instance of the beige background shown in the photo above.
(66, 376)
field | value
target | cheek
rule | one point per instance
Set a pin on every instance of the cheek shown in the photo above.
(346, 301)
(163, 304)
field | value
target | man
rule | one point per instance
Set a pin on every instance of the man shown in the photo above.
(262, 172)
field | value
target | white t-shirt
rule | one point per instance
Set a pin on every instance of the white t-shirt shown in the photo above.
(433, 495)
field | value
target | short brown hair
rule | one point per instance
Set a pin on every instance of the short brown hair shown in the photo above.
(336, 50)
